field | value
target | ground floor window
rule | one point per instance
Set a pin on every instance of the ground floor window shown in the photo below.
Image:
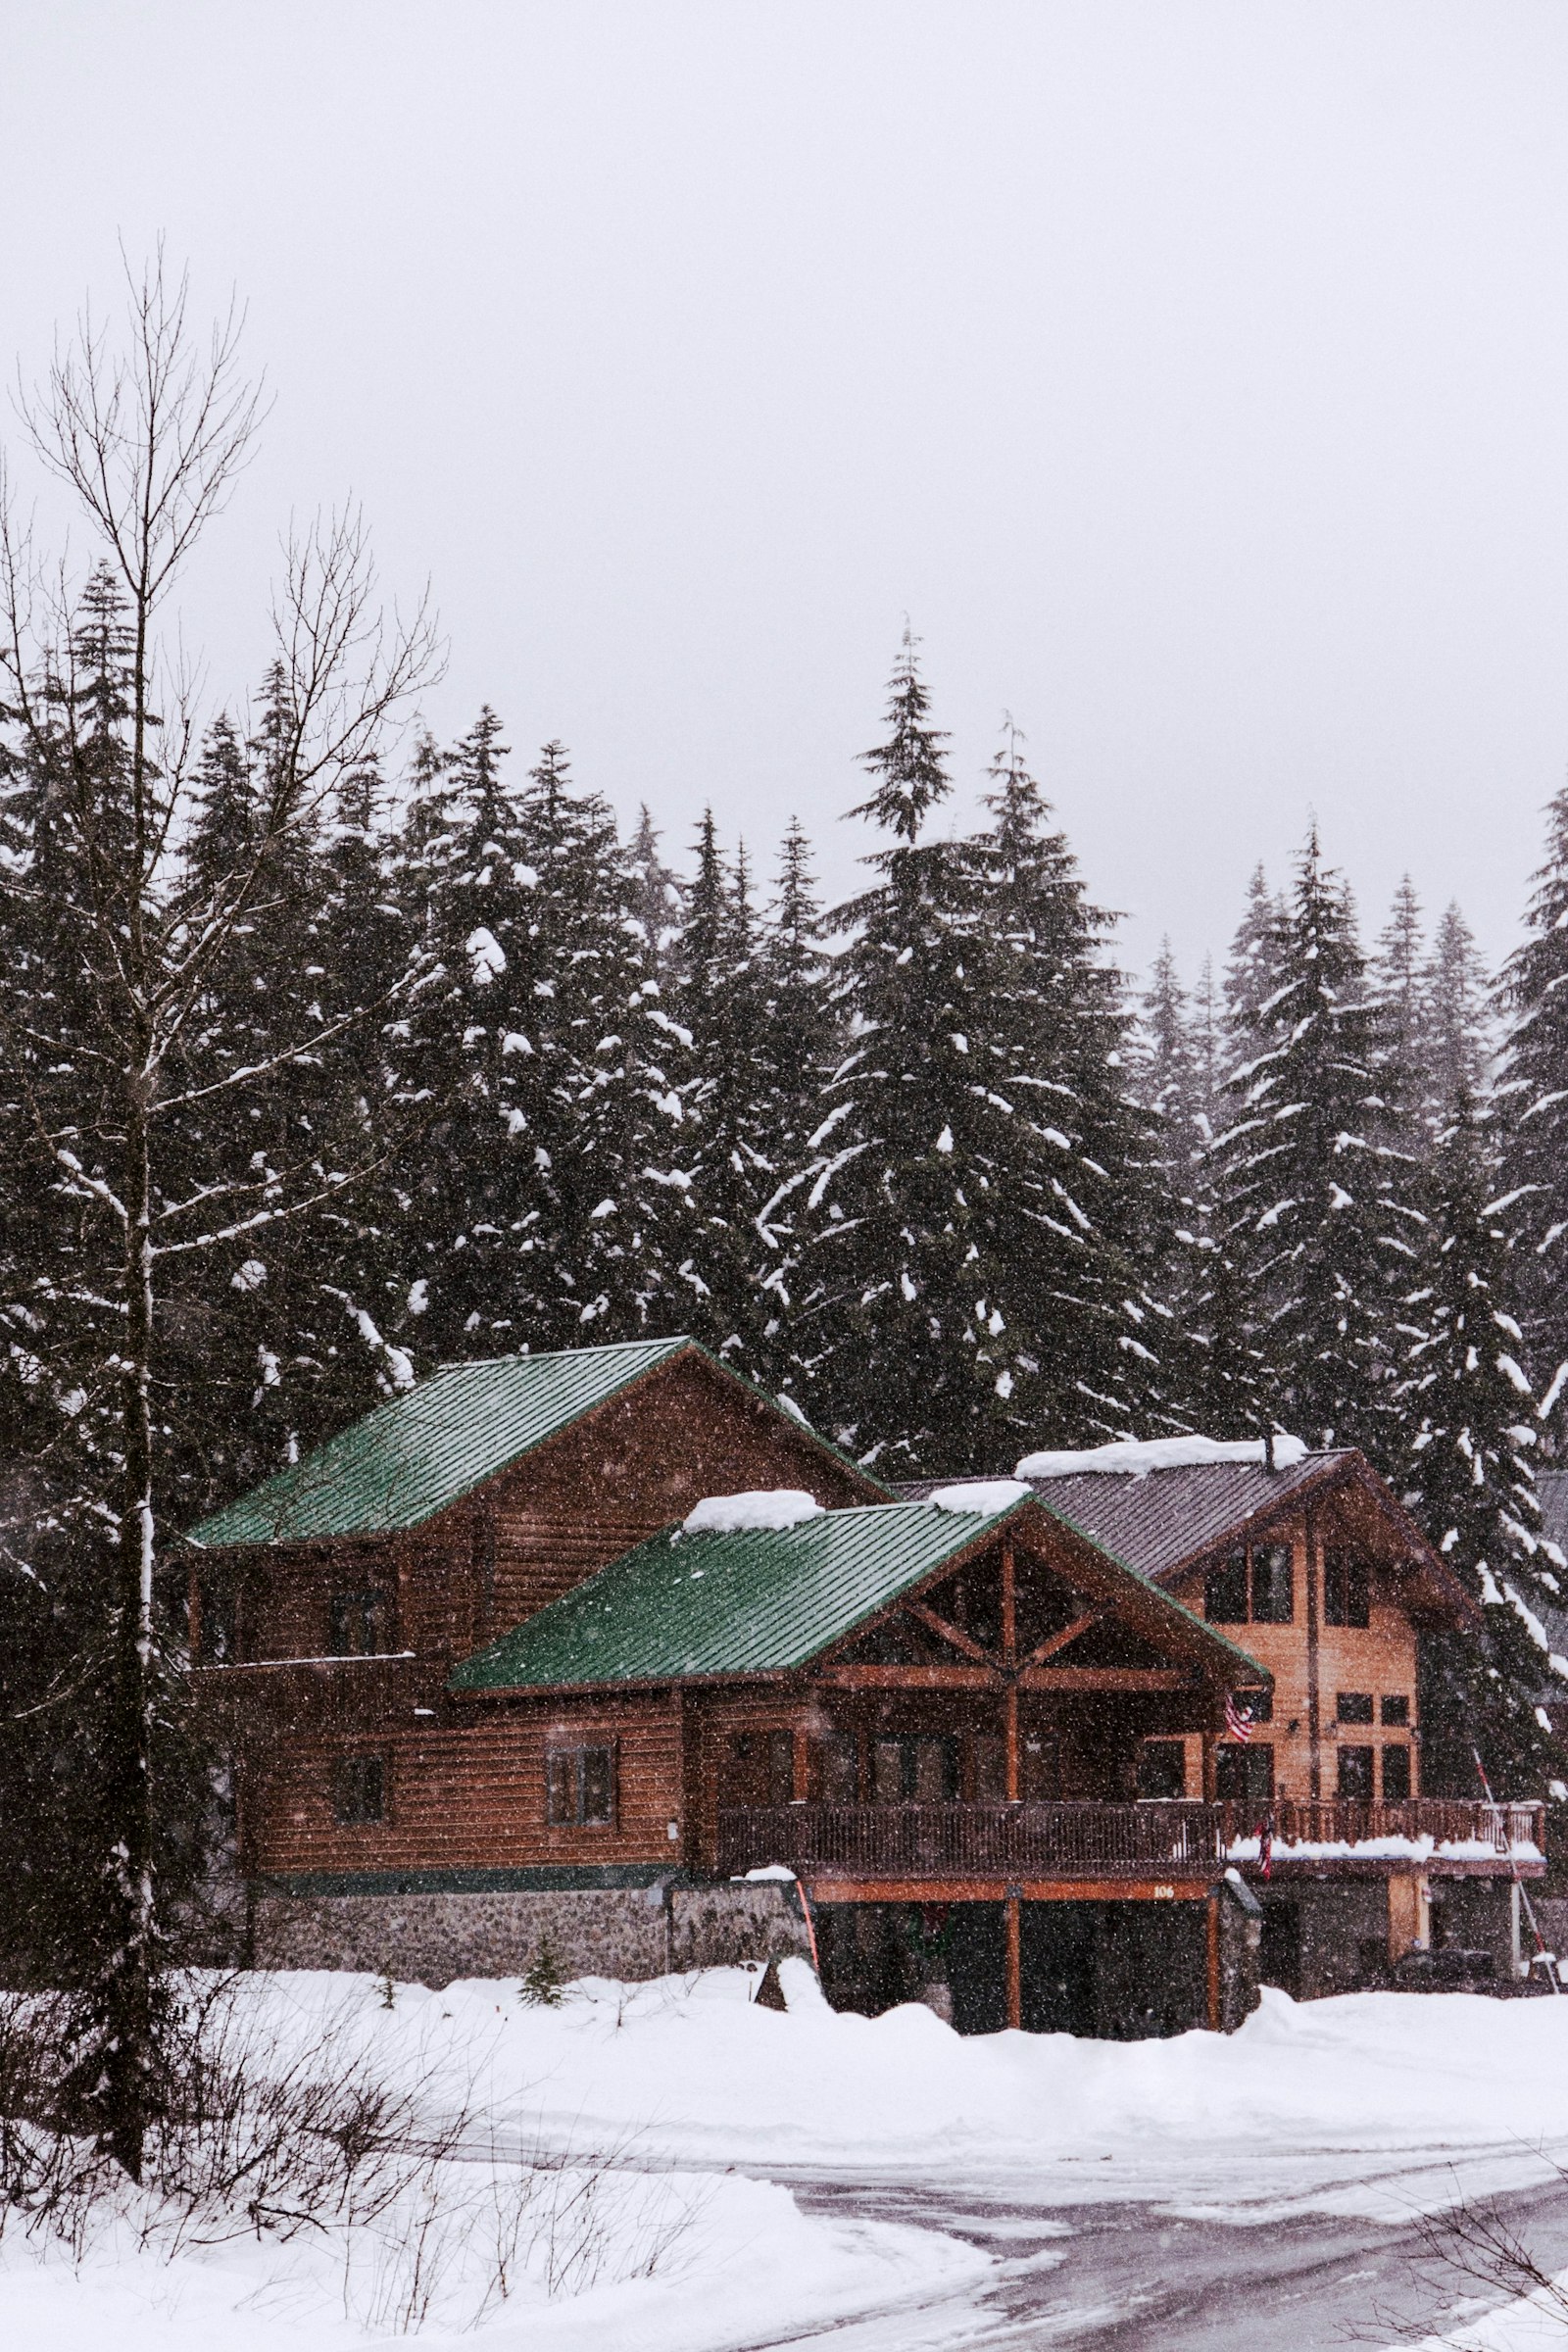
(359, 1789)
(580, 1785)
(1244, 1773)
(1396, 1774)
(1356, 1772)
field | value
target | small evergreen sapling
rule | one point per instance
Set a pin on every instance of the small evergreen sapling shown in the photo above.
(545, 1978)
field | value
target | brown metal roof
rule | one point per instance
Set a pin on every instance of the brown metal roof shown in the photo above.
(1166, 1519)
(1156, 1522)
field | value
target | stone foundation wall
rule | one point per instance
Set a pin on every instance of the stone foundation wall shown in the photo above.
(632, 1932)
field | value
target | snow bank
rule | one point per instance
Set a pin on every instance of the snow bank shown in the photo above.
(1384, 1849)
(981, 1494)
(686, 2070)
(738, 1514)
(1130, 1458)
(735, 2258)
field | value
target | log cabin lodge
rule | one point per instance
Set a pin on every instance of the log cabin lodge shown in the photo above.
(606, 1651)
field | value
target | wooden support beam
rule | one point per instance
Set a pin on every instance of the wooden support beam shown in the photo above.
(909, 1678)
(948, 1632)
(1010, 1733)
(1106, 1677)
(1014, 1964)
(826, 1886)
(801, 1765)
(1213, 1960)
(1009, 1604)
(1067, 1635)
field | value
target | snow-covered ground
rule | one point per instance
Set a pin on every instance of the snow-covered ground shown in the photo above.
(1377, 2105)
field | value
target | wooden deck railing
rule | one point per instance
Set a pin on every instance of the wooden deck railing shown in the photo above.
(1091, 1840)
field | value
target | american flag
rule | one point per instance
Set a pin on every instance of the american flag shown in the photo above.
(1238, 1720)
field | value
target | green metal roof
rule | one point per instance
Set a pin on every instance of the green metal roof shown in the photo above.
(762, 1601)
(422, 1451)
(752, 1603)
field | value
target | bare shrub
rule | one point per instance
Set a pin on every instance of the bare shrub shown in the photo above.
(290, 2136)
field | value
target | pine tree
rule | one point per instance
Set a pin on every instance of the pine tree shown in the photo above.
(1253, 975)
(652, 896)
(894, 1329)
(800, 1045)
(718, 997)
(1457, 1001)
(1314, 1208)
(1472, 1428)
(1533, 1103)
(1076, 1210)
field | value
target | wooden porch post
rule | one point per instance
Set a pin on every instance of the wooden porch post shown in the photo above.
(1213, 1961)
(800, 1766)
(1014, 1962)
(1009, 1706)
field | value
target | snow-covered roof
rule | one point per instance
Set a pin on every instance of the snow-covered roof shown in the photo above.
(761, 1506)
(1130, 1458)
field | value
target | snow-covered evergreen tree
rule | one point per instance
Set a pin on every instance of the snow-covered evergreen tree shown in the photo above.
(1457, 994)
(1315, 1213)
(1472, 1428)
(1533, 1103)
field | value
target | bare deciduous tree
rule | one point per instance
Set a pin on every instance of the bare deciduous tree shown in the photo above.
(147, 435)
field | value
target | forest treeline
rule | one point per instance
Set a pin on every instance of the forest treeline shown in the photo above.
(924, 1165)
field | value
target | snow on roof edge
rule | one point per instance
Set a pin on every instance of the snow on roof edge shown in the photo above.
(768, 1507)
(1136, 1458)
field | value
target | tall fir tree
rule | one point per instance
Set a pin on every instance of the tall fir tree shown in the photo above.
(894, 1336)
(1472, 1428)
(1533, 1103)
(1314, 1202)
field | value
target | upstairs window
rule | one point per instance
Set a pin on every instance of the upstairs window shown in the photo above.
(1355, 1774)
(1347, 1589)
(358, 1625)
(1395, 1773)
(1254, 1588)
(1272, 1584)
(1396, 1706)
(1225, 1590)
(1243, 1775)
(580, 1787)
(359, 1791)
(1354, 1706)
(1163, 1768)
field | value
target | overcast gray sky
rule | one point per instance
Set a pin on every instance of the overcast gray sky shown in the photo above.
(1193, 375)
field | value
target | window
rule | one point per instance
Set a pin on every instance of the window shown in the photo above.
(1354, 1706)
(1355, 1773)
(1255, 1586)
(989, 1770)
(1243, 1775)
(1347, 1589)
(1396, 1774)
(217, 1622)
(841, 1769)
(1272, 1584)
(914, 1770)
(580, 1787)
(761, 1768)
(359, 1789)
(1163, 1768)
(1395, 1707)
(358, 1625)
(1225, 1590)
(1259, 1704)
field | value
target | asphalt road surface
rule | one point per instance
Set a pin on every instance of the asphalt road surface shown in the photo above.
(1137, 2278)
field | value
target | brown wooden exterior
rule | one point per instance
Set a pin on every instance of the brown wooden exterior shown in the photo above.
(1313, 1661)
(1029, 1677)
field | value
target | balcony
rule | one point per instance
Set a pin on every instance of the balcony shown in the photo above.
(1168, 1841)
